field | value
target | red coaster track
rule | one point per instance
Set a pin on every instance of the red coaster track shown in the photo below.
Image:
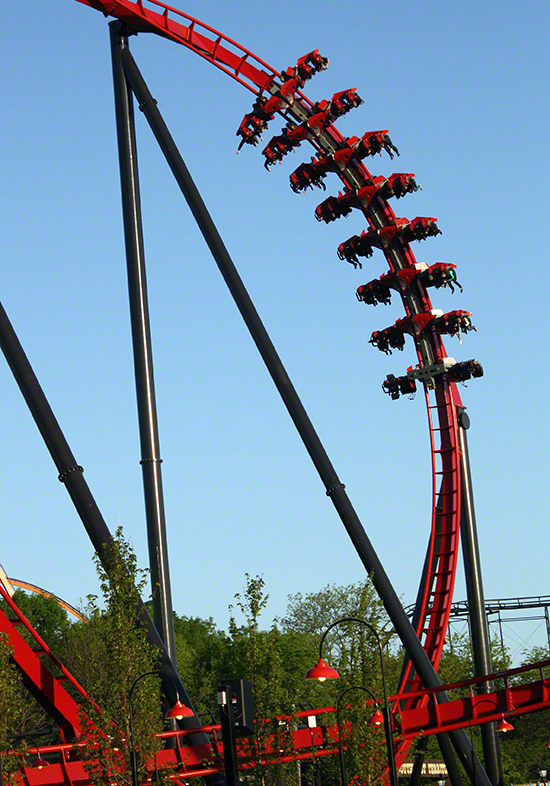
(157, 17)
(366, 193)
(280, 93)
(39, 680)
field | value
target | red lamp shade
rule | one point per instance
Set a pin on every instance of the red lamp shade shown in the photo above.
(322, 671)
(179, 711)
(39, 763)
(377, 719)
(505, 726)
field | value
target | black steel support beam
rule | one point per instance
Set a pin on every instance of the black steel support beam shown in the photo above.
(71, 474)
(335, 489)
(476, 601)
(143, 354)
(416, 773)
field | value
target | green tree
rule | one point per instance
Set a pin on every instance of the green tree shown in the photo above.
(257, 655)
(200, 650)
(107, 654)
(274, 662)
(313, 612)
(12, 708)
(352, 649)
(47, 617)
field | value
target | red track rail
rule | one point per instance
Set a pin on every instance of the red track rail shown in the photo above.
(152, 16)
(321, 739)
(46, 688)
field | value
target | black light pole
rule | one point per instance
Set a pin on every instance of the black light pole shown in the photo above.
(229, 736)
(39, 763)
(322, 672)
(177, 712)
(343, 775)
(504, 725)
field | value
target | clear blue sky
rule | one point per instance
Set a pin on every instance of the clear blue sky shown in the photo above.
(463, 89)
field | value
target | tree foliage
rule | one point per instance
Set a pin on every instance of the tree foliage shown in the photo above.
(46, 616)
(351, 648)
(107, 654)
(12, 708)
(200, 648)
(275, 658)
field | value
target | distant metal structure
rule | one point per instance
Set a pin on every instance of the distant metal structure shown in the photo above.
(5, 581)
(12, 583)
(494, 609)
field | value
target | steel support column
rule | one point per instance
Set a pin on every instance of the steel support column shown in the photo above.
(141, 341)
(476, 601)
(335, 489)
(416, 773)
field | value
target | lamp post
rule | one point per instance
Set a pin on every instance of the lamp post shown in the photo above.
(323, 672)
(375, 720)
(502, 727)
(39, 763)
(177, 712)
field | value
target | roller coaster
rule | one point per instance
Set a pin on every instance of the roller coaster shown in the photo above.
(420, 705)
